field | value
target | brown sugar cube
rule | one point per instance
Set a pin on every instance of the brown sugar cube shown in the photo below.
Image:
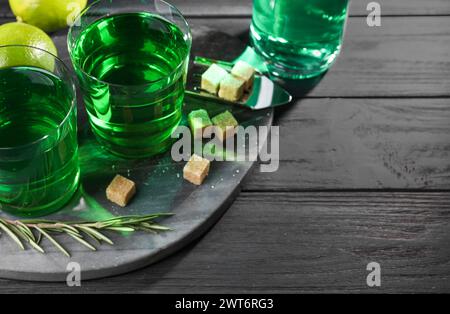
(196, 170)
(121, 190)
(231, 88)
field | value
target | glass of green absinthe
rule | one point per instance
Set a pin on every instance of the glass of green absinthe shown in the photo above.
(39, 169)
(132, 67)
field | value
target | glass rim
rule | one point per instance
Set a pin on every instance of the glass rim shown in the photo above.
(71, 40)
(70, 109)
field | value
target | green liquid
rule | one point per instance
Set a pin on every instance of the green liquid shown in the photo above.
(300, 38)
(38, 151)
(139, 62)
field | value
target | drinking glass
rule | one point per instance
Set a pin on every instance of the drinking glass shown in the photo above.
(132, 62)
(298, 38)
(39, 169)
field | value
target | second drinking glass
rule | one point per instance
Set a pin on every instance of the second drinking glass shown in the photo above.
(132, 67)
(39, 171)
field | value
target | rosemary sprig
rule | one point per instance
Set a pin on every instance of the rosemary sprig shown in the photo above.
(33, 231)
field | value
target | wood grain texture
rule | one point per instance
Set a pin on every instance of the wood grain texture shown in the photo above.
(244, 7)
(302, 242)
(406, 57)
(402, 7)
(306, 241)
(361, 144)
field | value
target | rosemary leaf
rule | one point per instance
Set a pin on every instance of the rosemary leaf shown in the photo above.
(18, 233)
(69, 231)
(36, 247)
(82, 241)
(96, 234)
(90, 235)
(159, 227)
(11, 234)
(66, 226)
(121, 229)
(25, 233)
(148, 230)
(55, 243)
(33, 231)
(26, 230)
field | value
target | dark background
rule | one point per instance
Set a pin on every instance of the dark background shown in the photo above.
(364, 173)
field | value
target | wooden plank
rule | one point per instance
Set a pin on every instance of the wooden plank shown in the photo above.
(244, 7)
(361, 144)
(405, 57)
(302, 242)
(402, 7)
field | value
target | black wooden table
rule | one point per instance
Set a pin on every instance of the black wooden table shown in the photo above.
(364, 174)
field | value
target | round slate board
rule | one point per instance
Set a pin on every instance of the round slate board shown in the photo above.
(161, 188)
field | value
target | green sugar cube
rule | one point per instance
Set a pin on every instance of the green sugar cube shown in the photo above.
(198, 121)
(231, 88)
(225, 125)
(245, 72)
(212, 77)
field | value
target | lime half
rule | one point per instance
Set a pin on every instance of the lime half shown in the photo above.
(26, 35)
(48, 15)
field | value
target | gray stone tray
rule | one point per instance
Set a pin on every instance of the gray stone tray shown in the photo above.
(161, 188)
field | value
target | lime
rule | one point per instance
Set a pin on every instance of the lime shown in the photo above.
(48, 15)
(28, 35)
